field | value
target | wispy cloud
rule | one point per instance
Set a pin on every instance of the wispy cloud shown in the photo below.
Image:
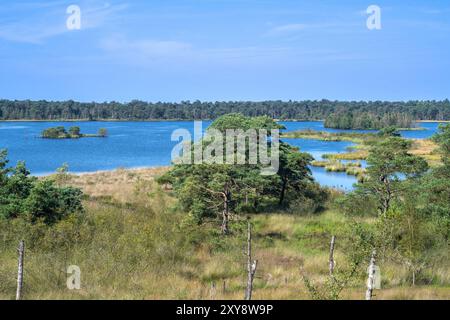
(292, 29)
(169, 54)
(144, 49)
(34, 25)
(150, 53)
(34, 34)
(436, 11)
(287, 28)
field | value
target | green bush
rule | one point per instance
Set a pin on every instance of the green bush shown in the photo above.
(26, 196)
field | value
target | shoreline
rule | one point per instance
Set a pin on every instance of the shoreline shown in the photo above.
(108, 120)
(433, 121)
(182, 120)
(87, 173)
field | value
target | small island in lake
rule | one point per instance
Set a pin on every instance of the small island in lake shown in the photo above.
(72, 133)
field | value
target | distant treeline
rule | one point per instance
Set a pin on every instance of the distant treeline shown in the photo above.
(369, 120)
(139, 110)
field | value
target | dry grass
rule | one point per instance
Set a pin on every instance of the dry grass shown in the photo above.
(119, 184)
(426, 149)
(361, 154)
(137, 248)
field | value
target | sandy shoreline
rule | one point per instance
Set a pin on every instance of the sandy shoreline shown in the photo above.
(108, 171)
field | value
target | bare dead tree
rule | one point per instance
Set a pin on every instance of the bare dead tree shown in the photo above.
(226, 200)
(226, 212)
(251, 265)
(212, 292)
(331, 260)
(224, 287)
(371, 278)
(21, 251)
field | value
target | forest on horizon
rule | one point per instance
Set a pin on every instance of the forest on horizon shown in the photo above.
(187, 110)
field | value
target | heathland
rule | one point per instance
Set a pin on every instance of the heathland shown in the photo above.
(159, 233)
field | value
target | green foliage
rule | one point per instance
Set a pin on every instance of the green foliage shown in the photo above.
(435, 186)
(55, 133)
(50, 203)
(74, 131)
(368, 120)
(356, 137)
(186, 110)
(358, 246)
(294, 172)
(435, 193)
(102, 132)
(357, 203)
(391, 131)
(110, 244)
(413, 203)
(22, 195)
(443, 139)
(389, 163)
(62, 175)
(239, 121)
(207, 190)
(408, 237)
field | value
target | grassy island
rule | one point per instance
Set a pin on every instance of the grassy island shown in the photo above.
(72, 133)
(360, 151)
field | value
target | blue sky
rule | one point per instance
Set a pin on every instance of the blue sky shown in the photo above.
(173, 50)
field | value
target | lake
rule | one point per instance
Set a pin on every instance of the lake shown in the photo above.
(144, 144)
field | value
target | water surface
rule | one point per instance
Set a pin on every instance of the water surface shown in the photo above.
(143, 144)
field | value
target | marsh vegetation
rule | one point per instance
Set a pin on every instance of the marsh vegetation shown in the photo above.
(138, 236)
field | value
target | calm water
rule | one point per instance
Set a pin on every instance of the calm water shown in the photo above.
(142, 144)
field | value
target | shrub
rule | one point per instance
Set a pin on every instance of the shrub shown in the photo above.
(24, 195)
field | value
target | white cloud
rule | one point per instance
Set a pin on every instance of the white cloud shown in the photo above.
(168, 54)
(144, 49)
(296, 28)
(287, 28)
(35, 34)
(156, 53)
(35, 26)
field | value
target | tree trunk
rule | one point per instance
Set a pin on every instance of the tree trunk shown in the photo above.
(283, 192)
(226, 213)
(224, 287)
(387, 196)
(251, 266)
(212, 292)
(21, 250)
(371, 278)
(386, 205)
(225, 228)
(331, 260)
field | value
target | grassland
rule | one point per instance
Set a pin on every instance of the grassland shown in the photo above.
(351, 168)
(133, 243)
(330, 136)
